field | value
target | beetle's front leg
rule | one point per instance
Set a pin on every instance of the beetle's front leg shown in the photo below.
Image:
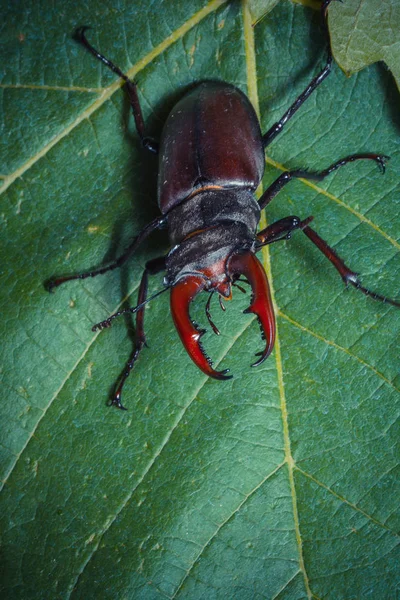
(152, 267)
(282, 230)
(348, 276)
(131, 87)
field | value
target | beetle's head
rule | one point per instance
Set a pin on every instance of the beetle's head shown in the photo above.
(196, 266)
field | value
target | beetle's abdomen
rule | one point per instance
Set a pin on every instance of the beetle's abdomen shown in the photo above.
(211, 138)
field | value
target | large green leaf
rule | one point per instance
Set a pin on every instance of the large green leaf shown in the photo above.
(284, 481)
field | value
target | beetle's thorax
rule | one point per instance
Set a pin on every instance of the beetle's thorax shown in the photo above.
(206, 230)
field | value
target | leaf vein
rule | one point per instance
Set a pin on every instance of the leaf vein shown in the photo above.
(337, 347)
(225, 522)
(345, 501)
(51, 88)
(253, 95)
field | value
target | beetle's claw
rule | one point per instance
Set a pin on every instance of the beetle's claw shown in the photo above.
(50, 285)
(182, 295)
(382, 159)
(116, 401)
(79, 33)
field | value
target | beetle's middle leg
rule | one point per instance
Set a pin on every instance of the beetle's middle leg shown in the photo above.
(287, 176)
(155, 224)
(152, 268)
(131, 87)
(282, 230)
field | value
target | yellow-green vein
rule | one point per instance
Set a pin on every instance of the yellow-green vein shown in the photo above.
(51, 88)
(253, 95)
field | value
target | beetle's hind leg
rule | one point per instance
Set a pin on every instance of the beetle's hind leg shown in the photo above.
(282, 230)
(314, 83)
(152, 268)
(131, 87)
(348, 276)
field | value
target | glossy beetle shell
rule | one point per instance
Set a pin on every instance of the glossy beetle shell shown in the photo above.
(211, 138)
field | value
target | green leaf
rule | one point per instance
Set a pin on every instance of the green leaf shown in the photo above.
(365, 32)
(280, 483)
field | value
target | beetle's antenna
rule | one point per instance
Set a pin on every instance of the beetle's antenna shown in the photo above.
(208, 315)
(131, 309)
(239, 287)
(221, 304)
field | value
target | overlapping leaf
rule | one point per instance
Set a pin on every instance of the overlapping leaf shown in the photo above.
(365, 32)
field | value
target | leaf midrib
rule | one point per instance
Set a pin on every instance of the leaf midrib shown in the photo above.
(289, 460)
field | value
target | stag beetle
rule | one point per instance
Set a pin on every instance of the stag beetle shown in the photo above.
(211, 160)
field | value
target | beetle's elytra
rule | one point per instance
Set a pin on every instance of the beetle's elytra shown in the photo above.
(211, 160)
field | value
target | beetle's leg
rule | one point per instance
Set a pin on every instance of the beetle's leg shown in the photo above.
(152, 267)
(287, 176)
(282, 230)
(347, 274)
(277, 127)
(50, 285)
(131, 87)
